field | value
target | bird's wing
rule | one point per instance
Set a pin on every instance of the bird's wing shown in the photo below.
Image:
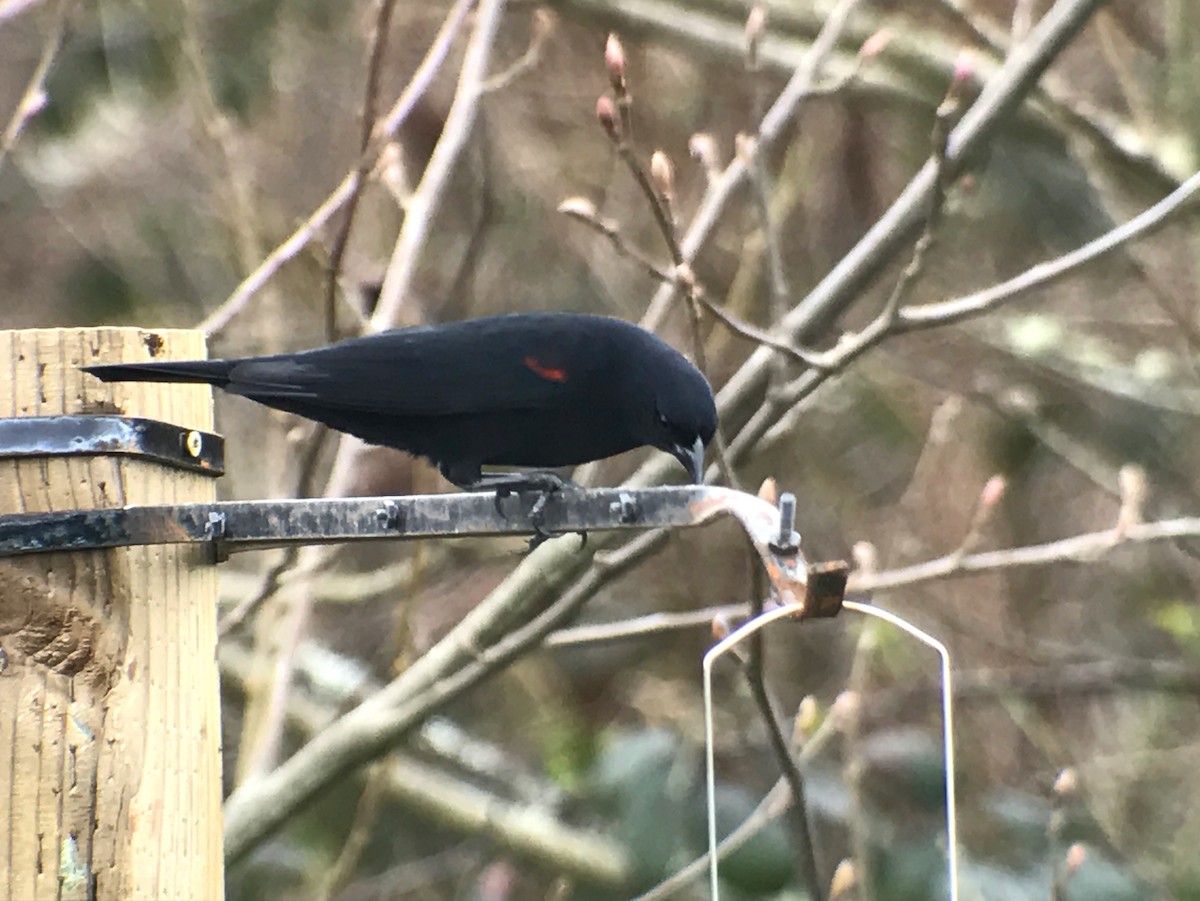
(408, 379)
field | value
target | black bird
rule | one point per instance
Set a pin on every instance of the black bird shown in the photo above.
(525, 390)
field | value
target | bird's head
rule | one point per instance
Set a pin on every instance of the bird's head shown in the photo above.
(685, 420)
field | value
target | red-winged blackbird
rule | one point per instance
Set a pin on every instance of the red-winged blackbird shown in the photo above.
(527, 389)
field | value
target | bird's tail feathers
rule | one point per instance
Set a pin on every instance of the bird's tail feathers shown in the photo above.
(210, 372)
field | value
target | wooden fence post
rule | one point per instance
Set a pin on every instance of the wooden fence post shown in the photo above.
(110, 771)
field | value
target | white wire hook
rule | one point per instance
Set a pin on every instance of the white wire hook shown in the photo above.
(760, 622)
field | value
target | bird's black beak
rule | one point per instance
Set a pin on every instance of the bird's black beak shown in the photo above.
(692, 459)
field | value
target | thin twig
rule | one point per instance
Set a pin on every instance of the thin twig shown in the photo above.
(1043, 274)
(1061, 869)
(242, 214)
(341, 587)
(362, 827)
(543, 24)
(643, 626)
(947, 111)
(379, 41)
(760, 184)
(658, 205)
(268, 584)
(812, 359)
(799, 87)
(441, 793)
(720, 445)
(423, 77)
(854, 763)
(844, 284)
(33, 98)
(427, 198)
(218, 319)
(779, 295)
(1022, 21)
(1163, 298)
(582, 210)
(657, 187)
(773, 805)
(781, 748)
(1085, 548)
(766, 422)
(299, 239)
(310, 449)
(1098, 678)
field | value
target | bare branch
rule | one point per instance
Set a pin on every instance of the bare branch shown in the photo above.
(543, 25)
(1080, 549)
(844, 284)
(427, 197)
(432, 791)
(781, 113)
(1044, 274)
(379, 41)
(344, 192)
(219, 318)
(747, 150)
(582, 210)
(33, 98)
(774, 804)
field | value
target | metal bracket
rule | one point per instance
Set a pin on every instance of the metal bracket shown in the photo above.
(825, 588)
(99, 435)
(230, 526)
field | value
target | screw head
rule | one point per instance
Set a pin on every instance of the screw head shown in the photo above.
(194, 443)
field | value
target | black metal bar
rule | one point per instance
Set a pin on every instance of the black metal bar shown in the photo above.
(96, 435)
(246, 525)
(249, 525)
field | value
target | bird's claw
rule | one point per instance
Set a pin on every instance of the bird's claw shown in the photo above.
(545, 484)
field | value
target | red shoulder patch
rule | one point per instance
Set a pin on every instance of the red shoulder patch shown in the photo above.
(549, 373)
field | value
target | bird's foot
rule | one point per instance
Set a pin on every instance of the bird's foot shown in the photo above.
(545, 484)
(514, 482)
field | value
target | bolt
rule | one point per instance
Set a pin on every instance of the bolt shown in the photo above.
(788, 540)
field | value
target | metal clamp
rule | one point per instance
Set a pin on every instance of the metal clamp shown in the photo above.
(215, 534)
(99, 435)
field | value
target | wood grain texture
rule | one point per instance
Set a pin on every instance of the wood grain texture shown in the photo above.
(109, 705)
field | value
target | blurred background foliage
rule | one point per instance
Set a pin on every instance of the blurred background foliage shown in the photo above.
(180, 141)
